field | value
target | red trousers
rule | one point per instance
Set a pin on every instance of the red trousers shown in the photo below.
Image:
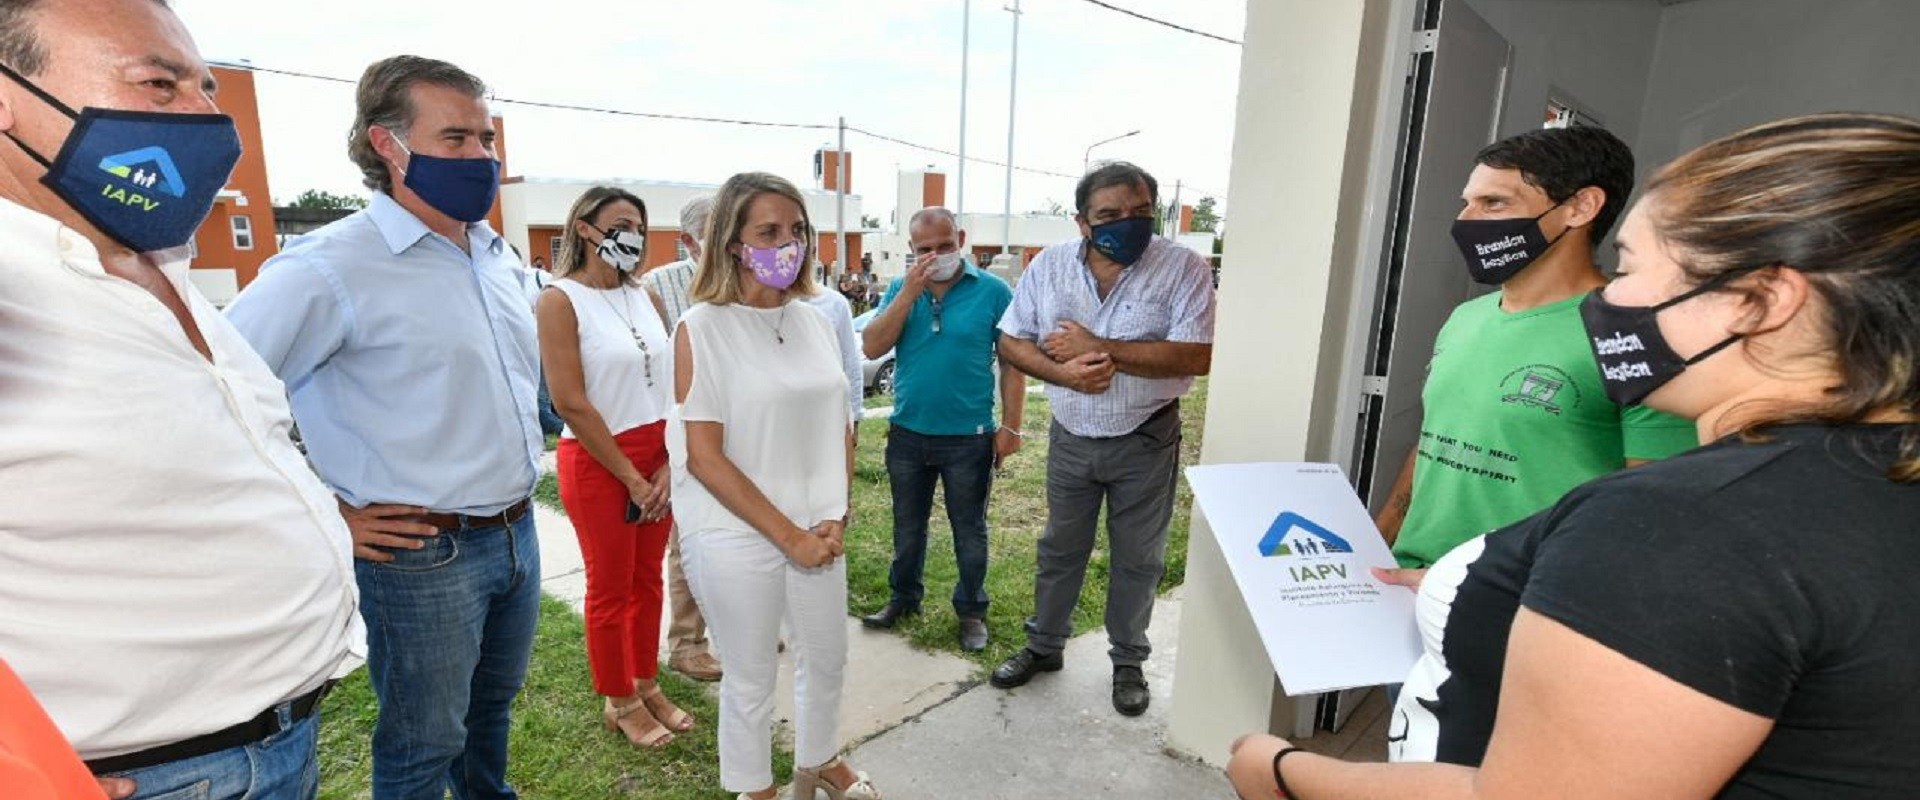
(625, 588)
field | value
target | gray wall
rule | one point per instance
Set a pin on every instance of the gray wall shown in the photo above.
(1723, 65)
(1597, 51)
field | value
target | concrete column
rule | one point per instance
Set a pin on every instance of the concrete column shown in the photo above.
(1303, 146)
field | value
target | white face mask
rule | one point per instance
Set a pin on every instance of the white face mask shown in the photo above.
(623, 249)
(944, 267)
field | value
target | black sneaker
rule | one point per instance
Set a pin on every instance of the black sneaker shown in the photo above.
(884, 618)
(1129, 690)
(1022, 666)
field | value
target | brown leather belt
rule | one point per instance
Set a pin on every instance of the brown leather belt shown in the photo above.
(445, 521)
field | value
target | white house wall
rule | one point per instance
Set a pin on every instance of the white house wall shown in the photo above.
(542, 202)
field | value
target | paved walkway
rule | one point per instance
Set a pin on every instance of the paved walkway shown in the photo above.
(927, 725)
(1055, 737)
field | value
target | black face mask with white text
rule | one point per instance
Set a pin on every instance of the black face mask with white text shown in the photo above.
(1634, 356)
(1497, 249)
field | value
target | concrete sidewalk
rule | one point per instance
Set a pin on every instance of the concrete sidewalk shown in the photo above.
(927, 725)
(1055, 737)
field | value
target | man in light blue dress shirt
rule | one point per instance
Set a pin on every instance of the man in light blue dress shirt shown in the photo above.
(406, 342)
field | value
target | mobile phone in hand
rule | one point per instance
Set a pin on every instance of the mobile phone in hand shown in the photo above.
(633, 511)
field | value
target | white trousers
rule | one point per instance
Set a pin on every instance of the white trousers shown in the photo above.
(746, 586)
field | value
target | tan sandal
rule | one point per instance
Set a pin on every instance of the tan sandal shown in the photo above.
(807, 781)
(672, 716)
(651, 737)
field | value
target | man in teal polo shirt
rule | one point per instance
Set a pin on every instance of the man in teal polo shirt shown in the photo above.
(942, 318)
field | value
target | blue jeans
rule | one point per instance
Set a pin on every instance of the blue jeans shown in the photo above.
(965, 465)
(449, 632)
(279, 767)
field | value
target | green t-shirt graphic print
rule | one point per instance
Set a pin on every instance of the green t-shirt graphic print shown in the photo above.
(1515, 416)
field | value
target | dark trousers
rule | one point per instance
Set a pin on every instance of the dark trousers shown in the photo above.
(1133, 477)
(964, 464)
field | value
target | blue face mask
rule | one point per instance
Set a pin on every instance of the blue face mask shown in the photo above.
(1123, 240)
(146, 179)
(461, 188)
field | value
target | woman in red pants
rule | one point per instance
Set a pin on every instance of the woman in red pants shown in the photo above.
(606, 355)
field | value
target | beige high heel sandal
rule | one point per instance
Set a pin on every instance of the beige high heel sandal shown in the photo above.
(806, 781)
(652, 739)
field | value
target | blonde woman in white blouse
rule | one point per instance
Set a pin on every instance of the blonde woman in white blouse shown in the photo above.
(762, 453)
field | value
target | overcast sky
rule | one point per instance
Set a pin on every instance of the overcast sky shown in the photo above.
(890, 66)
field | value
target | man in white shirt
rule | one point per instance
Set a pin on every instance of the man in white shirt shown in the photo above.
(1118, 324)
(175, 584)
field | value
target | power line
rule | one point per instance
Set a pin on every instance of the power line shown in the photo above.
(691, 118)
(589, 109)
(1162, 22)
(950, 153)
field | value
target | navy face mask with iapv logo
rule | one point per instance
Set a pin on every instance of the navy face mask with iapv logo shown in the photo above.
(144, 178)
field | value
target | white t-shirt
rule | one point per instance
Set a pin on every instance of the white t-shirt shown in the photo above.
(783, 405)
(169, 564)
(629, 386)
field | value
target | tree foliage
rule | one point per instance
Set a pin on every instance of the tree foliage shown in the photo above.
(320, 198)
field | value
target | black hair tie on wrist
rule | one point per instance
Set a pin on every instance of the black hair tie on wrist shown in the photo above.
(1280, 782)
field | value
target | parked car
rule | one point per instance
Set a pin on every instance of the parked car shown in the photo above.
(876, 372)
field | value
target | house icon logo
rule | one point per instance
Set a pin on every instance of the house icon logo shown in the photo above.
(1295, 535)
(149, 169)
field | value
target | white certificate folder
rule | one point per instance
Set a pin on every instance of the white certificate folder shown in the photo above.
(1299, 543)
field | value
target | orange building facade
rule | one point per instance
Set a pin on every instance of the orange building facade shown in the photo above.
(239, 233)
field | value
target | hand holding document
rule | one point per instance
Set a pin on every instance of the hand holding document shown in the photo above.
(1300, 544)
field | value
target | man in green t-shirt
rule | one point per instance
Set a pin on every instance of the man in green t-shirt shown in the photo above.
(1514, 411)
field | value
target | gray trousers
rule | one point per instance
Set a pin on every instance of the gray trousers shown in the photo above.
(1133, 476)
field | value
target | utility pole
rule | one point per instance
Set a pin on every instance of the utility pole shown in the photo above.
(1173, 216)
(960, 192)
(840, 206)
(1013, 88)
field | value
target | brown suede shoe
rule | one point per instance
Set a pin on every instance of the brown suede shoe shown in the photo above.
(699, 666)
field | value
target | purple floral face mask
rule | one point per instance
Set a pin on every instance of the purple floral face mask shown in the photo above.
(775, 267)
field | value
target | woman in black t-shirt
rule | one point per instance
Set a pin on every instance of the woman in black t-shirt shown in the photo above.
(1734, 622)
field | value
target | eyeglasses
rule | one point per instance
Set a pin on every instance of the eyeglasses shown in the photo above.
(935, 303)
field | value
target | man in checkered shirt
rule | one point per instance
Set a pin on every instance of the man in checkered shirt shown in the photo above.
(1118, 324)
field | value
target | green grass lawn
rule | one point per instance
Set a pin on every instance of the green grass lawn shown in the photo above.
(559, 751)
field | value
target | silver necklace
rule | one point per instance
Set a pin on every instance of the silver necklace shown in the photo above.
(778, 337)
(626, 299)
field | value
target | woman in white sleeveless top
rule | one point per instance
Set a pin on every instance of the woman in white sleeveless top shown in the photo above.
(608, 363)
(762, 457)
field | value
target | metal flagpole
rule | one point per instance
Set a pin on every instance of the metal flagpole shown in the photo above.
(840, 207)
(1013, 87)
(960, 191)
(1173, 218)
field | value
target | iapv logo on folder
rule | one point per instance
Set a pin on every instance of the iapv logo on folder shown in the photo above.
(1295, 535)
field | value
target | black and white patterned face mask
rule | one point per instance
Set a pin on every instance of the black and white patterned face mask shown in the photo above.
(622, 249)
